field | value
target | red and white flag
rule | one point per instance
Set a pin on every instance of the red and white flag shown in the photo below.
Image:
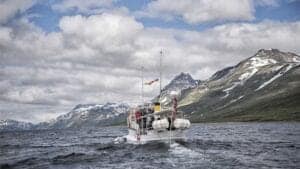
(151, 82)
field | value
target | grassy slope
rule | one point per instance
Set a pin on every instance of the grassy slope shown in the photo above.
(278, 101)
(276, 109)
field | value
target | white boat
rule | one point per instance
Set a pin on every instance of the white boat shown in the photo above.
(150, 122)
(146, 125)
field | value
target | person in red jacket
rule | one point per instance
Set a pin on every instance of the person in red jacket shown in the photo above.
(138, 115)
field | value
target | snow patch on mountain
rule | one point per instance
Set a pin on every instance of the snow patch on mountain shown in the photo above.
(91, 114)
(276, 68)
(180, 82)
(296, 59)
(275, 77)
(264, 62)
(176, 86)
(254, 65)
(87, 108)
(234, 100)
(259, 62)
(247, 75)
(230, 88)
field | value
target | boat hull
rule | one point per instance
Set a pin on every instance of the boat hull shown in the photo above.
(154, 135)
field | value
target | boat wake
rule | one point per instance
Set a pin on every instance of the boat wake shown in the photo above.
(182, 151)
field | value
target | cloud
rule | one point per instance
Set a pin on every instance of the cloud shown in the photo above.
(9, 8)
(89, 6)
(273, 3)
(267, 34)
(97, 58)
(107, 32)
(200, 11)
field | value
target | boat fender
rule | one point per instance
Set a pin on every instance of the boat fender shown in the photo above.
(182, 123)
(160, 124)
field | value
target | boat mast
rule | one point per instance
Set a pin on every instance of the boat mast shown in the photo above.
(142, 89)
(160, 74)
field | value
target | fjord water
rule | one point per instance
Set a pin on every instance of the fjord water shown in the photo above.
(210, 145)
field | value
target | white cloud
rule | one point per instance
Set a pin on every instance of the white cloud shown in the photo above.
(9, 8)
(87, 6)
(108, 32)
(199, 11)
(273, 3)
(97, 58)
(267, 34)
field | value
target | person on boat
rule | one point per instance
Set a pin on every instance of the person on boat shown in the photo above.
(138, 115)
(150, 110)
(150, 118)
(144, 117)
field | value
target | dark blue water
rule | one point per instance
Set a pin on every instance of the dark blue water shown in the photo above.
(221, 145)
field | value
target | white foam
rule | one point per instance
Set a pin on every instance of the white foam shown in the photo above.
(180, 150)
(119, 140)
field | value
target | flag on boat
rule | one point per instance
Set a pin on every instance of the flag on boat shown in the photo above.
(151, 82)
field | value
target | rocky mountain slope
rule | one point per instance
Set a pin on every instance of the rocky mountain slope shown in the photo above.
(264, 87)
(90, 115)
(87, 115)
(177, 86)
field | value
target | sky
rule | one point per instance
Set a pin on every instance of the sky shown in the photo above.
(55, 54)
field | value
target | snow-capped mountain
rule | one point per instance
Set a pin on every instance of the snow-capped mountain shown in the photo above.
(9, 125)
(83, 115)
(263, 82)
(87, 115)
(181, 82)
(265, 86)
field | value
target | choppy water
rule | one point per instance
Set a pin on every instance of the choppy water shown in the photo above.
(222, 145)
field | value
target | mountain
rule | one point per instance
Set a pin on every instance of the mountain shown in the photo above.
(12, 125)
(82, 115)
(180, 82)
(177, 86)
(90, 115)
(264, 87)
